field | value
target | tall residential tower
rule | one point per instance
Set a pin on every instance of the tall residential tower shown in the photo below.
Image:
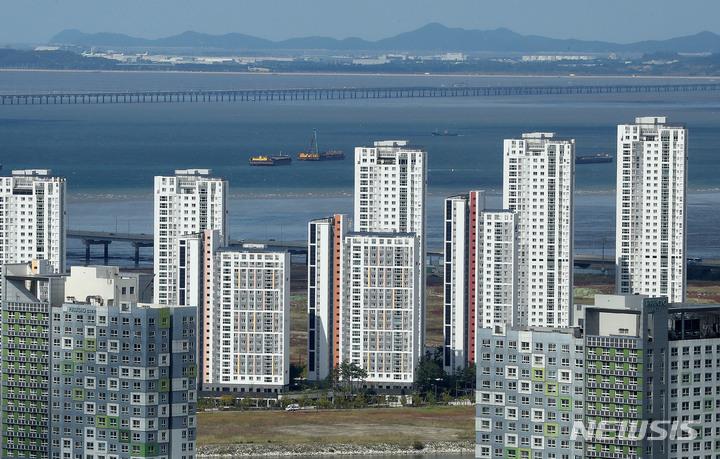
(538, 183)
(32, 218)
(651, 208)
(480, 274)
(390, 189)
(325, 242)
(189, 202)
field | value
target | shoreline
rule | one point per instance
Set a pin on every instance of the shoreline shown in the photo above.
(333, 449)
(425, 75)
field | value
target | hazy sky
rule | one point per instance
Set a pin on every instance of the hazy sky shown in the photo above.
(622, 21)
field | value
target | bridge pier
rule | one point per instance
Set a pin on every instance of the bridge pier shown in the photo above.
(137, 246)
(89, 242)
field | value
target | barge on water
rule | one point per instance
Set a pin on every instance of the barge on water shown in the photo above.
(271, 160)
(594, 159)
(314, 155)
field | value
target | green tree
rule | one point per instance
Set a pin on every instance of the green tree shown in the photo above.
(227, 400)
(347, 375)
(429, 375)
(446, 397)
(467, 378)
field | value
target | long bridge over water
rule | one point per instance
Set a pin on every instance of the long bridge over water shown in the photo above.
(256, 95)
(434, 255)
(138, 241)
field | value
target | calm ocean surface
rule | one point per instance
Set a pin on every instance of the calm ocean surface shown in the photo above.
(109, 153)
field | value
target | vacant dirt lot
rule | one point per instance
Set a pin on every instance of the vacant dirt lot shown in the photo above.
(394, 425)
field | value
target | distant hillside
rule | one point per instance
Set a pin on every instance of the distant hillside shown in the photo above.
(432, 37)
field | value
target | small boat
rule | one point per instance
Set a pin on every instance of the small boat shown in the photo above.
(444, 134)
(332, 155)
(314, 155)
(594, 159)
(271, 160)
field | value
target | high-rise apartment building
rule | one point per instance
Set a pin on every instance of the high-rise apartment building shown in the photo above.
(75, 381)
(32, 218)
(496, 281)
(325, 241)
(246, 337)
(529, 393)
(638, 378)
(480, 274)
(243, 301)
(124, 380)
(366, 300)
(189, 202)
(693, 376)
(363, 302)
(538, 183)
(390, 192)
(390, 188)
(380, 313)
(460, 260)
(651, 208)
(30, 291)
(626, 339)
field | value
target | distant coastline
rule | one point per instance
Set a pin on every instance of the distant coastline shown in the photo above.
(381, 74)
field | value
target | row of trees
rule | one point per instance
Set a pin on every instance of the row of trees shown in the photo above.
(344, 388)
(430, 377)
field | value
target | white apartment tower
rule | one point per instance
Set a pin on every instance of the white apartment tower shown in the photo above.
(243, 300)
(651, 208)
(496, 269)
(380, 315)
(32, 218)
(246, 336)
(364, 306)
(480, 274)
(189, 202)
(538, 183)
(390, 189)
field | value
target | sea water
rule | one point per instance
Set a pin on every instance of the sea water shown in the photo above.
(109, 153)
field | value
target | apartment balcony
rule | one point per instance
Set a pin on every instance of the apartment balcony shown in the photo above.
(35, 448)
(605, 454)
(615, 441)
(609, 358)
(24, 359)
(608, 372)
(25, 422)
(31, 385)
(25, 409)
(27, 397)
(23, 371)
(607, 413)
(23, 321)
(597, 385)
(31, 347)
(24, 307)
(24, 334)
(22, 434)
(595, 398)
